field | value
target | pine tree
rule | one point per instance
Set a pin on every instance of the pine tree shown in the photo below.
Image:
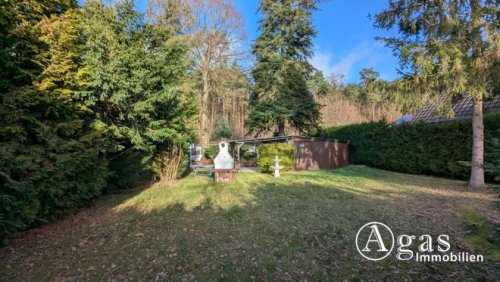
(448, 48)
(281, 95)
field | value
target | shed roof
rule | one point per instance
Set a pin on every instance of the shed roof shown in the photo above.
(284, 138)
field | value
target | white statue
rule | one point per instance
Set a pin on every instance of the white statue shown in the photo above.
(276, 167)
(223, 159)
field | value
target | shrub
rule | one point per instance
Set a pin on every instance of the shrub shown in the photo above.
(435, 149)
(267, 153)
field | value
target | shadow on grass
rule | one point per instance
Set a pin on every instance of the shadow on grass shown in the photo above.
(301, 226)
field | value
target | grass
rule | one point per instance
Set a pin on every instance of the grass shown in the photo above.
(300, 226)
(483, 236)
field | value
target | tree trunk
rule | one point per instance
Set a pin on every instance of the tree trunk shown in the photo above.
(214, 111)
(477, 170)
(281, 128)
(168, 164)
(205, 111)
(233, 118)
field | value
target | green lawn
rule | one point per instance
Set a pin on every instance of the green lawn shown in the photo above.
(300, 226)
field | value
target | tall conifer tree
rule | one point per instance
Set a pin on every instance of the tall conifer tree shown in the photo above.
(281, 96)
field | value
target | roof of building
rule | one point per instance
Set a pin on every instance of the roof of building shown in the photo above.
(284, 138)
(462, 110)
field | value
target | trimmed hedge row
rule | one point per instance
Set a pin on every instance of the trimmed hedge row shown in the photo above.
(267, 153)
(42, 182)
(434, 149)
(61, 183)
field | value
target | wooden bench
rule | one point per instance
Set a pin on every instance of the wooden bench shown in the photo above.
(200, 169)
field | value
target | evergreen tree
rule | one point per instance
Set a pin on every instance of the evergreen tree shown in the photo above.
(281, 95)
(448, 48)
(134, 74)
(49, 157)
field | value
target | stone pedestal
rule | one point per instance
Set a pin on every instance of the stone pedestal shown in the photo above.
(223, 175)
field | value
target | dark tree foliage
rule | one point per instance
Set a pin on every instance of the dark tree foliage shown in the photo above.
(81, 87)
(134, 82)
(281, 96)
(49, 156)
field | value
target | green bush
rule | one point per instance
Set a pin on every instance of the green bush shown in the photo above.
(435, 149)
(267, 153)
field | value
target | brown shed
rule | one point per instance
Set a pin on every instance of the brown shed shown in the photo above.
(317, 153)
(310, 153)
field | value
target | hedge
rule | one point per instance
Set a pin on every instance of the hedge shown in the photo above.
(441, 149)
(267, 153)
(41, 185)
(60, 183)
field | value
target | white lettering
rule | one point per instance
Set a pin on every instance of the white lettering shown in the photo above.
(444, 243)
(378, 240)
(403, 242)
(426, 246)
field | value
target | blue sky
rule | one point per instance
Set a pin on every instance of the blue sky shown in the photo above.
(345, 42)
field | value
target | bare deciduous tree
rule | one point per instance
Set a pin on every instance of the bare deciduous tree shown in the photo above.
(215, 32)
